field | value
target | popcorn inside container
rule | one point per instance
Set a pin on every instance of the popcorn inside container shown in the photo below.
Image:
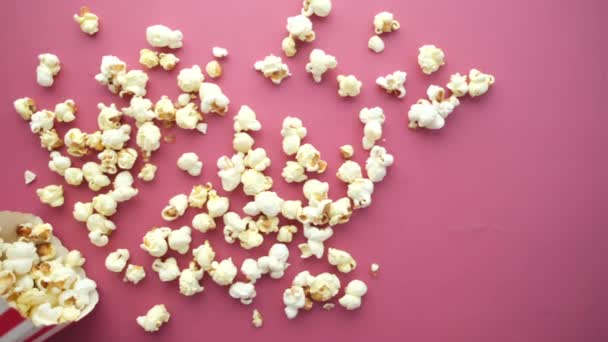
(42, 284)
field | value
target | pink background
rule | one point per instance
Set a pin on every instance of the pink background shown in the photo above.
(492, 229)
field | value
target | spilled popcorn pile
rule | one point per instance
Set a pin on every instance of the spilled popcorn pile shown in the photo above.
(112, 175)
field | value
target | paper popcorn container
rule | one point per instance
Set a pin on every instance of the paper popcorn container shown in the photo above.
(13, 326)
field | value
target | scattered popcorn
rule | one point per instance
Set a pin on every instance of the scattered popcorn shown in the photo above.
(250, 269)
(179, 239)
(315, 191)
(479, 83)
(291, 209)
(458, 85)
(255, 182)
(216, 205)
(148, 138)
(374, 268)
(393, 83)
(234, 225)
(189, 284)
(50, 140)
(25, 107)
(424, 114)
(108, 159)
(203, 222)
(376, 44)
(177, 207)
(105, 204)
(111, 67)
(257, 160)
(59, 163)
(275, 263)
(245, 120)
(167, 270)
(319, 8)
(162, 36)
(347, 151)
(245, 292)
(132, 83)
(372, 118)
(168, 61)
(189, 80)
(430, 58)
(223, 272)
(294, 172)
(198, 195)
(51, 195)
(341, 259)
(230, 170)
(99, 229)
(202, 127)
(148, 58)
(65, 111)
(310, 158)
(349, 171)
(340, 211)
(360, 192)
(204, 255)
(288, 45)
(242, 142)
(293, 131)
(307, 288)
(154, 318)
(48, 68)
(213, 100)
(42, 121)
(385, 22)
(256, 319)
(88, 21)
(117, 260)
(294, 299)
(147, 172)
(126, 158)
(273, 68)
(93, 175)
(320, 62)
(134, 274)
(300, 28)
(139, 109)
(266, 202)
(314, 245)
(354, 291)
(29, 176)
(377, 163)
(82, 211)
(190, 163)
(285, 233)
(155, 241)
(213, 69)
(219, 52)
(349, 86)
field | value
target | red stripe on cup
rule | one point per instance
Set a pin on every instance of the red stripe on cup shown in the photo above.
(9, 319)
(39, 333)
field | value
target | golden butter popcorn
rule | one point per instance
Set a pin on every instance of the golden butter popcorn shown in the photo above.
(148, 58)
(25, 107)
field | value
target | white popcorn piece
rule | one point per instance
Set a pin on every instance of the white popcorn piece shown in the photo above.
(154, 318)
(59, 163)
(93, 175)
(44, 314)
(126, 158)
(285, 233)
(320, 63)
(347, 151)
(307, 288)
(257, 160)
(292, 131)
(111, 67)
(315, 191)
(116, 138)
(376, 44)
(51, 195)
(340, 211)
(162, 36)
(300, 28)
(354, 291)
(291, 209)
(213, 100)
(230, 170)
(349, 171)
(393, 83)
(272, 67)
(108, 160)
(204, 255)
(223, 272)
(242, 142)
(372, 118)
(294, 299)
(256, 319)
(343, 261)
(430, 58)
(65, 111)
(42, 121)
(216, 205)
(360, 192)
(29, 176)
(147, 172)
(132, 83)
(374, 268)
(176, 208)
(202, 127)
(25, 107)
(245, 120)
(234, 225)
(310, 158)
(254, 182)
(219, 52)
(148, 58)
(189, 280)
(275, 263)
(385, 22)
(82, 211)
(76, 142)
(167, 270)
(198, 195)
(213, 69)
(314, 245)
(74, 259)
(134, 274)
(245, 292)
(267, 203)
(203, 222)
(140, 109)
(377, 163)
(479, 83)
(294, 172)
(189, 80)
(20, 257)
(117, 260)
(190, 163)
(155, 241)
(184, 99)
(458, 85)
(148, 138)
(424, 114)
(316, 213)
(288, 45)
(179, 239)
(50, 140)
(320, 8)
(105, 204)
(99, 229)
(348, 86)
(47, 69)
(168, 61)
(123, 187)
(87, 20)
(250, 269)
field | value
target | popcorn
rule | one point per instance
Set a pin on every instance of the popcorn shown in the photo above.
(198, 195)
(179, 239)
(204, 255)
(458, 85)
(20, 257)
(44, 314)
(349, 171)
(147, 172)
(372, 118)
(272, 67)
(275, 263)
(65, 111)
(93, 141)
(310, 158)
(250, 238)
(216, 205)
(93, 175)
(50, 140)
(105, 204)
(256, 319)
(294, 299)
(148, 138)
(184, 99)
(111, 67)
(319, 8)
(355, 290)
(348, 86)
(288, 45)
(148, 58)
(189, 280)
(88, 21)
(291, 209)
(25, 107)
(340, 211)
(479, 83)
(285, 233)
(154, 318)
(377, 163)
(203, 222)
(251, 270)
(307, 288)
(51, 195)
(99, 229)
(223, 272)
(29, 176)
(245, 120)
(316, 213)
(213, 69)
(230, 170)
(316, 237)
(48, 68)
(234, 225)
(300, 28)
(117, 260)
(76, 142)
(257, 159)
(155, 241)
(162, 36)
(320, 63)
(219, 52)
(82, 211)
(245, 292)
(341, 259)
(393, 83)
(424, 114)
(385, 22)
(202, 127)
(374, 268)
(168, 61)
(108, 159)
(293, 131)
(42, 121)
(116, 138)
(315, 191)
(132, 83)
(347, 151)
(139, 109)
(213, 99)
(430, 58)
(294, 172)
(360, 192)
(267, 203)
(267, 224)
(126, 158)
(74, 259)
(189, 80)
(59, 163)
(255, 182)
(376, 44)
(134, 273)
(242, 142)
(190, 163)
(177, 207)
(167, 270)
(164, 109)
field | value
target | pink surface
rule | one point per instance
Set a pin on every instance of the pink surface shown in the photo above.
(492, 229)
